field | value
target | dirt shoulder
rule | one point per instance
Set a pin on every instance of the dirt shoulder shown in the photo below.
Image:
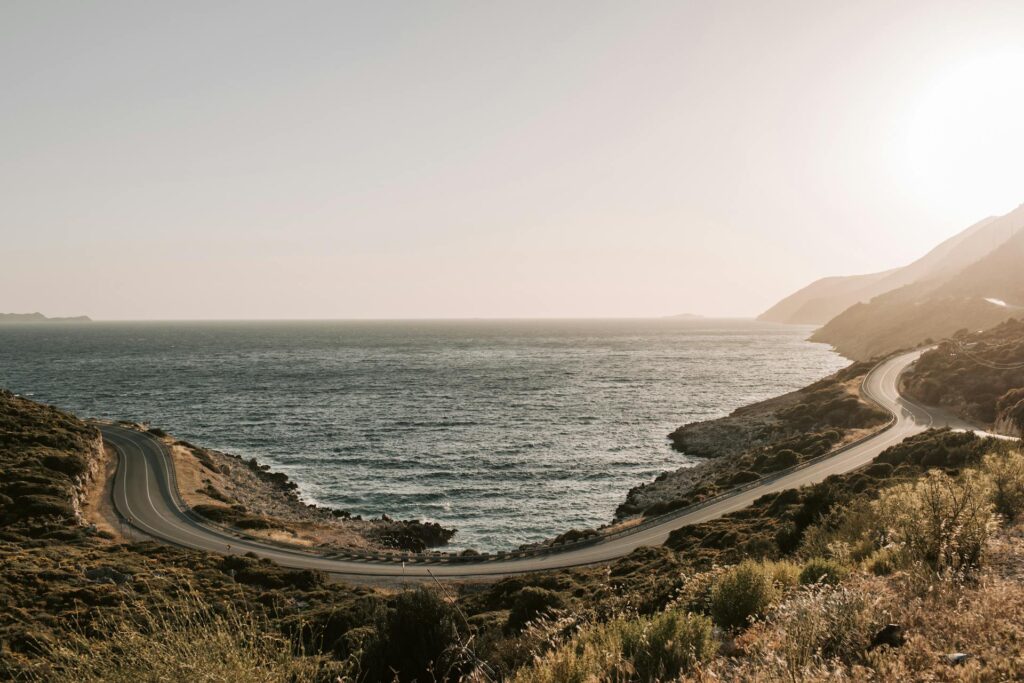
(98, 500)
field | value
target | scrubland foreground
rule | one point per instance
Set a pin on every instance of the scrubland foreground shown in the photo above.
(908, 569)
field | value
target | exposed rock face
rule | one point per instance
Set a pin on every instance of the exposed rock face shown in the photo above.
(93, 456)
(48, 459)
(1010, 415)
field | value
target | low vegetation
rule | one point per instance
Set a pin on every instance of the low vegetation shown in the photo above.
(979, 376)
(878, 574)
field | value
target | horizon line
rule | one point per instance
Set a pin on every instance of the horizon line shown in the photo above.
(415, 319)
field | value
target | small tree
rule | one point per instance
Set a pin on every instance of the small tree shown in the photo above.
(940, 521)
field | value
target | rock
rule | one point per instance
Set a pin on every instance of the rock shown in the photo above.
(956, 658)
(891, 635)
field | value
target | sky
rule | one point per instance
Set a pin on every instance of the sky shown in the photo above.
(208, 160)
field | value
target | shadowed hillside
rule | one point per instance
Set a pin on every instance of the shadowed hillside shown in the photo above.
(980, 377)
(980, 296)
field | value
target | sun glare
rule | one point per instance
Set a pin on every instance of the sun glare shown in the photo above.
(965, 144)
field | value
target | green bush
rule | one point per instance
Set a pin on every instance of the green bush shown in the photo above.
(784, 574)
(882, 562)
(822, 570)
(742, 594)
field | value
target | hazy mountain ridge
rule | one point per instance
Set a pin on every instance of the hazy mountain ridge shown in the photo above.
(829, 297)
(956, 285)
(936, 308)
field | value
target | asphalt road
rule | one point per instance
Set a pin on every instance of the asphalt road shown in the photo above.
(144, 483)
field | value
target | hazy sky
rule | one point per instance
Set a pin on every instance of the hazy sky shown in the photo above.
(448, 159)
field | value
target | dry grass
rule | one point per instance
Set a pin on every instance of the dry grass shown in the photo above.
(186, 639)
(659, 648)
(823, 633)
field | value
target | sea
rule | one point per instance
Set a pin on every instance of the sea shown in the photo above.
(510, 431)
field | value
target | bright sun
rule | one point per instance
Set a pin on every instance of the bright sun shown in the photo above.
(965, 145)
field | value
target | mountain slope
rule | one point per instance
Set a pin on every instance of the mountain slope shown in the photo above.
(822, 299)
(825, 299)
(935, 308)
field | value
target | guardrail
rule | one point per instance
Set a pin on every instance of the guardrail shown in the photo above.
(551, 549)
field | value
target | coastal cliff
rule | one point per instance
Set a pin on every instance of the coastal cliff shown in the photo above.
(48, 462)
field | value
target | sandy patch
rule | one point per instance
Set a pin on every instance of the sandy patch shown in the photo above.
(98, 507)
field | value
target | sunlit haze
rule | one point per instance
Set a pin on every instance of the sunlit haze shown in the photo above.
(194, 160)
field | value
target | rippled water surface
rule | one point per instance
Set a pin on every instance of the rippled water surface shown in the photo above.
(510, 431)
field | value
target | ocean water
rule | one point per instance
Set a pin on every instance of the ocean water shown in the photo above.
(509, 431)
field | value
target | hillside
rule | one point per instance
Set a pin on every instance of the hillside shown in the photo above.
(979, 377)
(934, 309)
(825, 299)
(835, 581)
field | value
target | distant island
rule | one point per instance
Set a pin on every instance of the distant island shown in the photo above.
(28, 318)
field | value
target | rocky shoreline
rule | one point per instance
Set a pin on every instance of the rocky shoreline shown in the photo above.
(759, 439)
(249, 496)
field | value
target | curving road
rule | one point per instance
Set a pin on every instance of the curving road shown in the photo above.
(145, 496)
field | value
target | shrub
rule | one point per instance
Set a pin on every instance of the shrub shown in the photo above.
(667, 645)
(645, 649)
(741, 594)
(940, 521)
(882, 562)
(530, 603)
(784, 574)
(186, 640)
(418, 637)
(817, 625)
(1004, 473)
(822, 570)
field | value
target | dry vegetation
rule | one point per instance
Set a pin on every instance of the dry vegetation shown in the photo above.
(978, 376)
(909, 569)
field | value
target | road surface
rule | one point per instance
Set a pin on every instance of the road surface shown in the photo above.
(145, 496)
